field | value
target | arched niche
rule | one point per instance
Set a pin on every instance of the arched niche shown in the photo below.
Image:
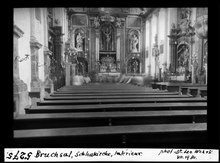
(107, 37)
(134, 41)
(133, 65)
(79, 37)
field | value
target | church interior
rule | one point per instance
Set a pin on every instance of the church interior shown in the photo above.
(110, 76)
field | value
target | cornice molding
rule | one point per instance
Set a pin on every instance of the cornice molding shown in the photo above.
(18, 32)
(34, 43)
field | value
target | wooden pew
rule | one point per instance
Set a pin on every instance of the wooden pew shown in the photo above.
(116, 107)
(61, 120)
(113, 94)
(203, 92)
(194, 91)
(108, 91)
(112, 101)
(116, 97)
(109, 136)
(173, 87)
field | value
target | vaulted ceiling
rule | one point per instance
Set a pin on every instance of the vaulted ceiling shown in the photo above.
(111, 11)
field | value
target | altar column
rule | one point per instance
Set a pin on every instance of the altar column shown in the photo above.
(118, 45)
(97, 45)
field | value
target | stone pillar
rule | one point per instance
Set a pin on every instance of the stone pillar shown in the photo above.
(58, 75)
(166, 39)
(150, 45)
(37, 86)
(157, 58)
(20, 88)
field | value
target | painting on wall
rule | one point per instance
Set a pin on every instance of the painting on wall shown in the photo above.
(79, 20)
(133, 22)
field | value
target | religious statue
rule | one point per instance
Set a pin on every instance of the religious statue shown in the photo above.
(79, 41)
(134, 43)
(107, 33)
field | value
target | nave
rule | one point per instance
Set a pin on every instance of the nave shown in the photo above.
(110, 77)
(113, 115)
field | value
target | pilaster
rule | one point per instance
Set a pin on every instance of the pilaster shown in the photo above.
(48, 83)
(20, 93)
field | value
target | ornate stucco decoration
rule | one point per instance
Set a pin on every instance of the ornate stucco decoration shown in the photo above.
(184, 24)
(107, 18)
(97, 21)
(119, 22)
(201, 26)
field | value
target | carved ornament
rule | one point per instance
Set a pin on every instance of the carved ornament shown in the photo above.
(96, 21)
(35, 44)
(201, 27)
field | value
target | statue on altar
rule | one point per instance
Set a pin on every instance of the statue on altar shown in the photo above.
(107, 33)
(107, 38)
(134, 43)
(79, 41)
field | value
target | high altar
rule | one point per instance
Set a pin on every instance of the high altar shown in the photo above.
(104, 44)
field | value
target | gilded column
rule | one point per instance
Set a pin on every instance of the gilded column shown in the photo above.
(97, 44)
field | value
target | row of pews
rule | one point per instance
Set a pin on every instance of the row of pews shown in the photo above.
(196, 90)
(112, 115)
